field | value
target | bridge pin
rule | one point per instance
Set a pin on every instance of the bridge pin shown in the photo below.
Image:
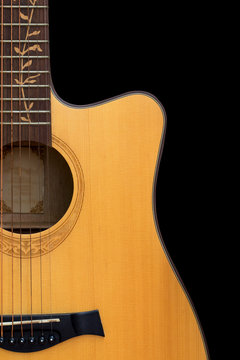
(42, 340)
(51, 339)
(32, 339)
(12, 341)
(1, 340)
(22, 340)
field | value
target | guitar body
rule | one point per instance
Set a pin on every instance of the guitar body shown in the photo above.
(110, 256)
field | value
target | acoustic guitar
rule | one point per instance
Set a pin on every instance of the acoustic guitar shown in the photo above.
(84, 273)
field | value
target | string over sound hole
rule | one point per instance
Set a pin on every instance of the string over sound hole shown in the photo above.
(65, 181)
(37, 188)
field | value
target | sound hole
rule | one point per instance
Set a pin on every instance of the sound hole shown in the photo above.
(37, 188)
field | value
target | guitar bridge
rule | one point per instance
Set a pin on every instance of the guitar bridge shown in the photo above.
(48, 330)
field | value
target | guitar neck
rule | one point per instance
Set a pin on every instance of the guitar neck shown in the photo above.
(25, 71)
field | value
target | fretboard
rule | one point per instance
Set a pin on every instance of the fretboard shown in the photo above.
(25, 71)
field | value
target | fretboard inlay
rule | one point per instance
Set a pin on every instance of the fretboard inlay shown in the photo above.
(25, 70)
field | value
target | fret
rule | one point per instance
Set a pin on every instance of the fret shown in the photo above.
(25, 96)
(27, 72)
(26, 6)
(14, 109)
(26, 99)
(26, 112)
(36, 114)
(26, 86)
(25, 41)
(25, 123)
(15, 36)
(23, 24)
(25, 3)
(26, 57)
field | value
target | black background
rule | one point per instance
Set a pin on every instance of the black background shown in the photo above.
(101, 51)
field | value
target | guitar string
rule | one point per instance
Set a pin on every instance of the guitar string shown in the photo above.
(2, 65)
(30, 195)
(39, 197)
(37, 109)
(40, 228)
(12, 329)
(20, 173)
(20, 176)
(47, 67)
(41, 277)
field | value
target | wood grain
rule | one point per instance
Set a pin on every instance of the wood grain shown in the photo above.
(113, 260)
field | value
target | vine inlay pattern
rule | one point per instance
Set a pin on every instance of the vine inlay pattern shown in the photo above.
(26, 49)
